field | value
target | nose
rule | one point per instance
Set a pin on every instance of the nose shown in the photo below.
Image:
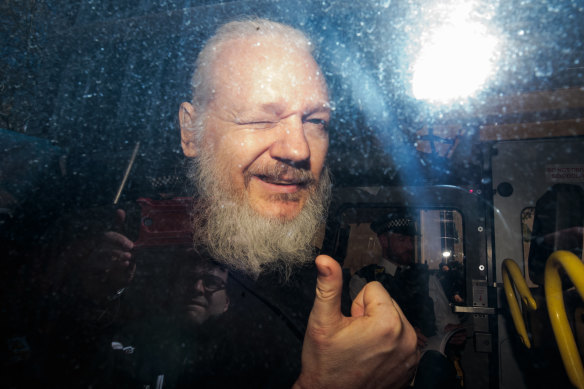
(200, 286)
(291, 145)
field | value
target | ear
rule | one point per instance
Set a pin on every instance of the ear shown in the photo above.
(187, 118)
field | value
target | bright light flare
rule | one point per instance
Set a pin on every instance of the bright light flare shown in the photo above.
(455, 60)
(446, 254)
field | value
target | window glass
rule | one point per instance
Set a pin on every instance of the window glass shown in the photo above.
(423, 94)
(438, 241)
(527, 216)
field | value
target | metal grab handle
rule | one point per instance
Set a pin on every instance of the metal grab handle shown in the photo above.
(554, 297)
(512, 276)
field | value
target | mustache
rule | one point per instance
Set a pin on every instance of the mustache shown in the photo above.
(280, 173)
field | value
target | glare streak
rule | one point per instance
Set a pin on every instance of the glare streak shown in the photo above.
(455, 60)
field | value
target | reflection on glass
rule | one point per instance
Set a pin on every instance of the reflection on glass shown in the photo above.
(387, 242)
(456, 58)
(438, 240)
(526, 228)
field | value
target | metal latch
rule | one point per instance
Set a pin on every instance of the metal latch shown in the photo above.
(476, 310)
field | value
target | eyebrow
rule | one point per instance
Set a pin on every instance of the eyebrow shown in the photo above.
(279, 108)
(267, 108)
(275, 108)
(326, 107)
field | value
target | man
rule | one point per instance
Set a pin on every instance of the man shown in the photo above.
(420, 295)
(406, 281)
(257, 128)
(256, 131)
(200, 290)
(161, 348)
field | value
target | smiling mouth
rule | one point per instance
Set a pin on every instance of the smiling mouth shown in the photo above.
(280, 175)
(279, 181)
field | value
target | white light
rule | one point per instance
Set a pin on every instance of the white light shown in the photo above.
(455, 60)
(446, 254)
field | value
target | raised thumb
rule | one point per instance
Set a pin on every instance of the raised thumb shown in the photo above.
(329, 284)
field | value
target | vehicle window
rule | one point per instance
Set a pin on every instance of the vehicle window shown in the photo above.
(438, 240)
(526, 228)
(453, 116)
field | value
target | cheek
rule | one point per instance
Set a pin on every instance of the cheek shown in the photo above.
(231, 156)
(244, 148)
(318, 152)
(217, 303)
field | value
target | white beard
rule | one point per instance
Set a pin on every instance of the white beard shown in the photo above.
(235, 235)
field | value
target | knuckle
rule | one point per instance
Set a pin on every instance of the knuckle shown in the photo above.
(377, 285)
(319, 336)
(325, 293)
(392, 325)
(392, 328)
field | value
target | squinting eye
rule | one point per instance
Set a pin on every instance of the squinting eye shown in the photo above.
(320, 122)
(259, 125)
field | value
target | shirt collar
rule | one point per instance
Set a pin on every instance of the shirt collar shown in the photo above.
(390, 267)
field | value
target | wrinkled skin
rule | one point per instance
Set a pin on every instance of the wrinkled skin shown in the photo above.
(374, 348)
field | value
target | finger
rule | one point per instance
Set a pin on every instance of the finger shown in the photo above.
(400, 312)
(120, 219)
(373, 299)
(121, 257)
(326, 310)
(119, 240)
(120, 215)
(110, 260)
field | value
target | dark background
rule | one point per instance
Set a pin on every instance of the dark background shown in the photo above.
(94, 77)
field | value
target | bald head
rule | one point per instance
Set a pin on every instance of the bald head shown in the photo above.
(252, 30)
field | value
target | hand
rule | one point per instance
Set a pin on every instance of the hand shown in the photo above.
(110, 265)
(374, 348)
(457, 339)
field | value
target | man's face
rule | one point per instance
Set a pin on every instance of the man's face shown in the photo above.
(200, 292)
(398, 248)
(266, 125)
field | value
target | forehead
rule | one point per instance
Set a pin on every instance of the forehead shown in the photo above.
(213, 270)
(191, 268)
(266, 71)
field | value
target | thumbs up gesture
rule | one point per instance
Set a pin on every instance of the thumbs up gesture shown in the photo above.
(374, 348)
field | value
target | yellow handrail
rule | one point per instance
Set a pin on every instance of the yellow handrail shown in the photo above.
(512, 275)
(554, 296)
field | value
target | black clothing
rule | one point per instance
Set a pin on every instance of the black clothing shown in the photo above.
(257, 343)
(435, 371)
(409, 288)
(452, 282)
(133, 340)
